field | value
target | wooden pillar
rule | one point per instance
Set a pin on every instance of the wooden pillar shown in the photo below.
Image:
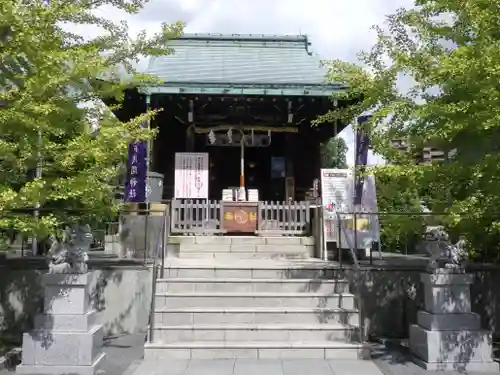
(190, 131)
(290, 140)
(190, 138)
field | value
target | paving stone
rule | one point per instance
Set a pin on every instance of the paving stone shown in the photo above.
(306, 366)
(210, 367)
(161, 367)
(351, 367)
(257, 366)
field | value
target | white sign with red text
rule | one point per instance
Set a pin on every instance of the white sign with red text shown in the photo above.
(337, 193)
(191, 175)
(336, 196)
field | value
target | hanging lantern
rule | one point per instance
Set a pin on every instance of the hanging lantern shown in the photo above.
(211, 137)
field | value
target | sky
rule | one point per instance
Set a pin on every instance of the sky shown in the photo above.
(338, 29)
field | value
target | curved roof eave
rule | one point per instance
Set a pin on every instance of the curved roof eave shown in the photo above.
(276, 89)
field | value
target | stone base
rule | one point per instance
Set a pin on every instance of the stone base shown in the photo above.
(62, 370)
(452, 349)
(44, 347)
(488, 367)
(449, 322)
(66, 322)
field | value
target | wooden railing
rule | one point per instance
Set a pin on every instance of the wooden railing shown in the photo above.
(284, 218)
(198, 217)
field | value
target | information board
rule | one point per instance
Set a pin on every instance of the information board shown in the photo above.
(191, 175)
(336, 196)
(337, 193)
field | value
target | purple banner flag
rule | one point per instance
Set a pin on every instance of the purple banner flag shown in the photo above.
(361, 160)
(135, 185)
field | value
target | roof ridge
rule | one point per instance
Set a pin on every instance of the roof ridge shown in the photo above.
(246, 37)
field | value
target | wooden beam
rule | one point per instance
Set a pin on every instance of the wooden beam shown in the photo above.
(274, 129)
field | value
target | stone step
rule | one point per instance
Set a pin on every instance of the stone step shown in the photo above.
(227, 300)
(241, 285)
(239, 240)
(255, 332)
(240, 247)
(243, 248)
(255, 350)
(251, 269)
(271, 315)
(278, 254)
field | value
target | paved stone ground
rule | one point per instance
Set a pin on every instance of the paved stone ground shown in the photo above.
(122, 353)
(124, 357)
(257, 366)
(396, 360)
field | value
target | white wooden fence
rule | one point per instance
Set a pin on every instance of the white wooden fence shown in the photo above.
(196, 216)
(273, 218)
(284, 218)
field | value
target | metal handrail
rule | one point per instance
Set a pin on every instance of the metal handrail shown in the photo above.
(164, 233)
(357, 274)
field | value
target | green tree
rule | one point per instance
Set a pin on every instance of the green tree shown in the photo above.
(334, 153)
(52, 84)
(448, 52)
(397, 198)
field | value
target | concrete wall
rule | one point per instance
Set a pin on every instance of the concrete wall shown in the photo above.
(392, 296)
(121, 295)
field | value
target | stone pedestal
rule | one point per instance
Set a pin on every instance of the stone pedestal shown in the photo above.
(66, 338)
(448, 335)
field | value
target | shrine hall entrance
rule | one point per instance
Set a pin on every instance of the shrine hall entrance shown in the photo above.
(264, 171)
(282, 155)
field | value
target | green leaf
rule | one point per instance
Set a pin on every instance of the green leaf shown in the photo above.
(448, 53)
(52, 84)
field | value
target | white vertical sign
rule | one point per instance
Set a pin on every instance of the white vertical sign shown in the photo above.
(337, 192)
(191, 175)
(336, 196)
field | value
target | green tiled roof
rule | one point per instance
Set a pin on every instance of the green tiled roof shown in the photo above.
(209, 59)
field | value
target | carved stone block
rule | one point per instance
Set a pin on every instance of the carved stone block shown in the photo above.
(66, 338)
(448, 335)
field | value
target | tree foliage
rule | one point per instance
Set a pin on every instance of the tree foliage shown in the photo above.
(334, 153)
(447, 54)
(52, 81)
(397, 198)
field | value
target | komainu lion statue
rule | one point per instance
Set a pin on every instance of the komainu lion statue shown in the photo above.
(70, 255)
(443, 254)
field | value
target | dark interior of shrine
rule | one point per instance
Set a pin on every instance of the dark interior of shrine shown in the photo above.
(185, 121)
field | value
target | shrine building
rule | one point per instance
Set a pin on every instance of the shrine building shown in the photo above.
(220, 90)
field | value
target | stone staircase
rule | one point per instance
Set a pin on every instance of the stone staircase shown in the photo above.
(261, 305)
(239, 247)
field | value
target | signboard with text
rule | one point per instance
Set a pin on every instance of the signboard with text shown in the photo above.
(191, 175)
(135, 185)
(338, 193)
(336, 196)
(240, 217)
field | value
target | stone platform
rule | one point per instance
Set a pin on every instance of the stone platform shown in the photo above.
(448, 336)
(66, 339)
